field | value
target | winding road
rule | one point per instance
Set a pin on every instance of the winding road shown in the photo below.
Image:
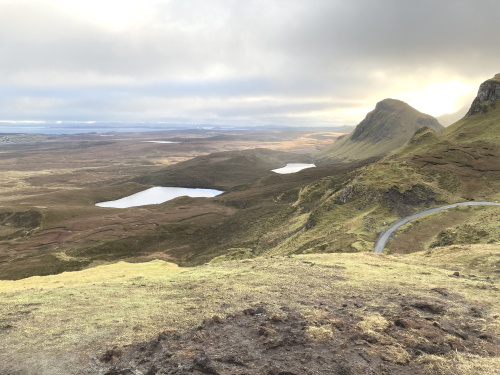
(386, 234)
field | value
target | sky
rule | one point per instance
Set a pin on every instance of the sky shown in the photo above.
(235, 62)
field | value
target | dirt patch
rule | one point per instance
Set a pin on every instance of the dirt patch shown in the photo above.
(286, 342)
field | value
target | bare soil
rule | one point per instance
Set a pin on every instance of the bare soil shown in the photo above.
(256, 341)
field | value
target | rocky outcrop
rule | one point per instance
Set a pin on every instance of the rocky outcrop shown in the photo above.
(488, 93)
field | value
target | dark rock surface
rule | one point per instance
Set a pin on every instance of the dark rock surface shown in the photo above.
(488, 93)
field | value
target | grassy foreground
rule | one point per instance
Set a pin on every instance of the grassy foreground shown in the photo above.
(57, 324)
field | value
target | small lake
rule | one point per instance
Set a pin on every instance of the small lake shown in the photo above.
(157, 195)
(293, 168)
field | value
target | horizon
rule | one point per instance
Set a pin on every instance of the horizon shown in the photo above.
(89, 127)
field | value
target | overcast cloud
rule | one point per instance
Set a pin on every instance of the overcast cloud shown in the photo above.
(295, 62)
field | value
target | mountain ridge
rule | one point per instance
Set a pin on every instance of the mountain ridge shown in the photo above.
(387, 127)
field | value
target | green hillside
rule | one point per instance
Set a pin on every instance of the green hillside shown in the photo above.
(459, 163)
(332, 208)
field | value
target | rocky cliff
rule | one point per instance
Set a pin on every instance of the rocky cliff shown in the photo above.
(488, 93)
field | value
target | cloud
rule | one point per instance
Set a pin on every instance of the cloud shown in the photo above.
(213, 58)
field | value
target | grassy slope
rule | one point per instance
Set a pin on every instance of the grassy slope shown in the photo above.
(464, 161)
(344, 212)
(463, 225)
(457, 164)
(74, 234)
(55, 324)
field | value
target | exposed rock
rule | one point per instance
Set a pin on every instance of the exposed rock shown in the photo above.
(442, 291)
(255, 311)
(111, 355)
(488, 93)
(405, 202)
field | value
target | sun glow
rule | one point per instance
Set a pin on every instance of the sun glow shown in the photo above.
(439, 98)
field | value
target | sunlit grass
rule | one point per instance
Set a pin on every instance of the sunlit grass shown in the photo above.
(118, 272)
(88, 311)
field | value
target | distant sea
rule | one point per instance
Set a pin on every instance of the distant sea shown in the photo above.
(52, 130)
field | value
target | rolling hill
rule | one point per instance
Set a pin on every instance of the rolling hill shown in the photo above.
(337, 207)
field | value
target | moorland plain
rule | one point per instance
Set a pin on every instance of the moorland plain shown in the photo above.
(50, 184)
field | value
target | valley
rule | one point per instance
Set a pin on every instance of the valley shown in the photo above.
(48, 219)
(49, 222)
